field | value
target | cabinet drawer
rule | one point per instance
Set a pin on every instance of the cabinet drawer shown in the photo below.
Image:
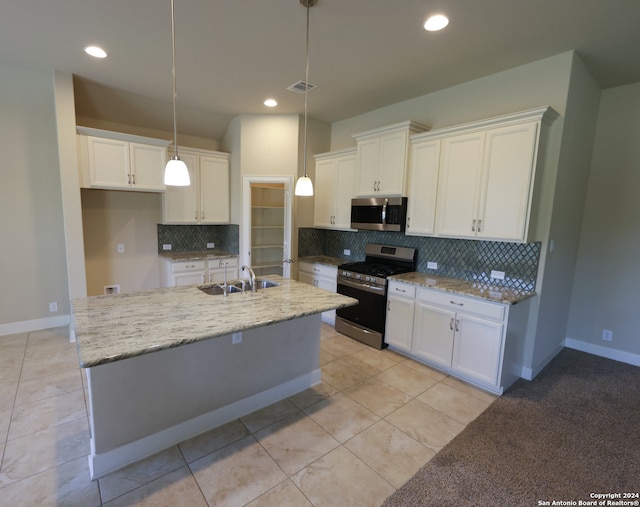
(402, 290)
(457, 303)
(181, 267)
(316, 269)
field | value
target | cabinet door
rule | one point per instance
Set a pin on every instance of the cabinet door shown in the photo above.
(458, 185)
(393, 163)
(399, 324)
(147, 167)
(423, 186)
(324, 205)
(368, 163)
(214, 190)
(433, 334)
(188, 278)
(180, 204)
(478, 348)
(108, 163)
(509, 163)
(344, 191)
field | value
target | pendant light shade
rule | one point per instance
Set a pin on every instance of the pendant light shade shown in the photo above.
(176, 172)
(304, 185)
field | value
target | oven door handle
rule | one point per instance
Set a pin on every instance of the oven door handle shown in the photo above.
(384, 212)
(362, 286)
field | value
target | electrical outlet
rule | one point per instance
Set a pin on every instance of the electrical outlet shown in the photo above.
(236, 338)
(111, 289)
(607, 335)
(347, 252)
(211, 245)
(498, 275)
(166, 246)
(53, 306)
(120, 248)
(432, 265)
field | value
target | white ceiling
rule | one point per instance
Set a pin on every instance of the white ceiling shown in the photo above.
(365, 54)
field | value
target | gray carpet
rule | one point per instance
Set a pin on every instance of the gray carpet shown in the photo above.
(574, 430)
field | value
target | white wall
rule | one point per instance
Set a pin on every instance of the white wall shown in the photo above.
(33, 267)
(606, 292)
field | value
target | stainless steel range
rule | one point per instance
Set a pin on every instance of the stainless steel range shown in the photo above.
(367, 282)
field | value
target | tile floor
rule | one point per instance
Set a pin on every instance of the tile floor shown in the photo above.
(352, 440)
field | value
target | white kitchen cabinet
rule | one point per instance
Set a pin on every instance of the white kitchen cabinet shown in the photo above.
(399, 321)
(423, 186)
(322, 276)
(112, 160)
(487, 176)
(206, 200)
(183, 273)
(216, 269)
(335, 187)
(382, 159)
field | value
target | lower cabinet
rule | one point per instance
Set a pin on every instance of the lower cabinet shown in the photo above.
(217, 267)
(197, 272)
(460, 335)
(322, 276)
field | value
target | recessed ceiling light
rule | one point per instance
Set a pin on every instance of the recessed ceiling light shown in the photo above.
(271, 102)
(95, 51)
(436, 22)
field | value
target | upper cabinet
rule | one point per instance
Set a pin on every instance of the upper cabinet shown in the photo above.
(335, 187)
(206, 200)
(485, 177)
(382, 158)
(112, 160)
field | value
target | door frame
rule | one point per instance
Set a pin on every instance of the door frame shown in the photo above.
(245, 233)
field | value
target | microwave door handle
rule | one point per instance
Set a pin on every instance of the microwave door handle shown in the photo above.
(384, 211)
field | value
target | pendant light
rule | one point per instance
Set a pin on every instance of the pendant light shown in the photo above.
(176, 172)
(304, 186)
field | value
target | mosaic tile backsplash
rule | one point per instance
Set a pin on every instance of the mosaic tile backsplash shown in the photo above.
(194, 238)
(469, 260)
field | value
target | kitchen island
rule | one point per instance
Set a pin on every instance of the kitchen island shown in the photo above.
(168, 364)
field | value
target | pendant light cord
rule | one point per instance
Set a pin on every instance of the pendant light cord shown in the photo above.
(173, 72)
(306, 90)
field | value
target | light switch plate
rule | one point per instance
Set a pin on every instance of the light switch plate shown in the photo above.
(166, 246)
(432, 265)
(498, 275)
(347, 252)
(211, 245)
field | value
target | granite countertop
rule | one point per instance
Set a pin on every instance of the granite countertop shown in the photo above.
(115, 327)
(489, 292)
(322, 259)
(192, 256)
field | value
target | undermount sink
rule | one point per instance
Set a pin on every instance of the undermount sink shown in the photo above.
(218, 289)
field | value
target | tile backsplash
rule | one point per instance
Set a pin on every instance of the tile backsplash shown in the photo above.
(470, 260)
(194, 238)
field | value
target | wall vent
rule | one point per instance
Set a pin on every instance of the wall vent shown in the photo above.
(299, 86)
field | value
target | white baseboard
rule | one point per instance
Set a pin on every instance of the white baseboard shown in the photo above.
(34, 325)
(599, 350)
(107, 462)
(531, 373)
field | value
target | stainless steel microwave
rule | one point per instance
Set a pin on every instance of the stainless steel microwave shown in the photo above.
(379, 213)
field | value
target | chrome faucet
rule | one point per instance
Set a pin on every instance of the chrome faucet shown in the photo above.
(225, 288)
(254, 286)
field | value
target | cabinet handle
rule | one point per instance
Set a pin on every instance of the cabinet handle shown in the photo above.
(408, 222)
(133, 179)
(457, 328)
(458, 304)
(473, 225)
(400, 290)
(480, 225)
(195, 214)
(202, 216)
(451, 324)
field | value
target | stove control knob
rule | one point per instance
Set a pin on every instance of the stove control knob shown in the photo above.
(358, 276)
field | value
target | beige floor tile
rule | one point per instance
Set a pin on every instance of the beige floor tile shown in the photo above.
(49, 386)
(342, 375)
(460, 406)
(285, 494)
(390, 452)
(427, 425)
(313, 395)
(5, 418)
(370, 360)
(295, 442)
(406, 379)
(52, 334)
(427, 370)
(27, 456)
(236, 474)
(327, 331)
(393, 355)
(197, 447)
(42, 414)
(377, 396)
(469, 389)
(13, 341)
(7, 394)
(174, 489)
(33, 368)
(341, 346)
(10, 369)
(342, 417)
(138, 474)
(326, 357)
(341, 479)
(269, 415)
(67, 485)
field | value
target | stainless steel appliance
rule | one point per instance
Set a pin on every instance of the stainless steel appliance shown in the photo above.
(367, 282)
(379, 213)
